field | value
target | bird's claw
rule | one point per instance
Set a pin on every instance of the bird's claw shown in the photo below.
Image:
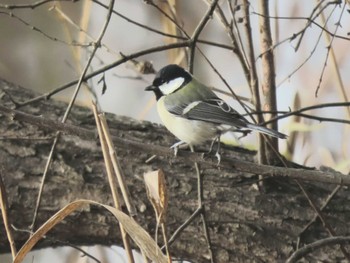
(218, 157)
(176, 146)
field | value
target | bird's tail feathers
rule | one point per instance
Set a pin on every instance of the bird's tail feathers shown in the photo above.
(267, 131)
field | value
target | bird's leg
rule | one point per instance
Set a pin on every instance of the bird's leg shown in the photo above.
(201, 206)
(244, 133)
(212, 144)
(176, 146)
(217, 153)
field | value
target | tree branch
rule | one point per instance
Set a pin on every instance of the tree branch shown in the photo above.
(184, 156)
(238, 215)
(330, 241)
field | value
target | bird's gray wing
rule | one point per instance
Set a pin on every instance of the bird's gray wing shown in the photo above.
(211, 110)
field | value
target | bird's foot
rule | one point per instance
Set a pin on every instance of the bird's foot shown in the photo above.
(218, 157)
(176, 146)
(217, 153)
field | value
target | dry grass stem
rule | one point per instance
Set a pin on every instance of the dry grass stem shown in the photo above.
(5, 219)
(112, 183)
(135, 231)
(158, 196)
(116, 166)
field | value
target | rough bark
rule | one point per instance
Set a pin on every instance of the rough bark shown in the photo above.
(246, 225)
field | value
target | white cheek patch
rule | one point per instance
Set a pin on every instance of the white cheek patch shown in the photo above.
(171, 86)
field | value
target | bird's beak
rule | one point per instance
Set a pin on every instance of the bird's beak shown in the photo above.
(150, 88)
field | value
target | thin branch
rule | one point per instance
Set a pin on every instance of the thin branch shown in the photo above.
(318, 106)
(329, 50)
(235, 32)
(34, 28)
(318, 10)
(323, 119)
(330, 241)
(325, 223)
(253, 79)
(179, 27)
(5, 218)
(198, 31)
(201, 207)
(69, 107)
(236, 48)
(122, 60)
(294, 36)
(310, 20)
(307, 116)
(205, 57)
(142, 25)
(340, 82)
(43, 180)
(238, 98)
(112, 179)
(313, 220)
(179, 230)
(32, 5)
(253, 75)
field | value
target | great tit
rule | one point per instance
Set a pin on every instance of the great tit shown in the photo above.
(192, 112)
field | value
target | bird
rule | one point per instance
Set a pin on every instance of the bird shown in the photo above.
(192, 112)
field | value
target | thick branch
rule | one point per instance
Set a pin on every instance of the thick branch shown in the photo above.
(268, 77)
(227, 163)
(240, 218)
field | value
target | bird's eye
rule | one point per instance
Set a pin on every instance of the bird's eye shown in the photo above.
(158, 81)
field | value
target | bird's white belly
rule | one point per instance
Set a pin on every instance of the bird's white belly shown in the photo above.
(190, 131)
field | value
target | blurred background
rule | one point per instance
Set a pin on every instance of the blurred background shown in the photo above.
(45, 47)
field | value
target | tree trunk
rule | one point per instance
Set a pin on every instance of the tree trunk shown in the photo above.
(245, 224)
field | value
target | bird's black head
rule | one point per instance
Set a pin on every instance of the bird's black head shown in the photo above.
(168, 80)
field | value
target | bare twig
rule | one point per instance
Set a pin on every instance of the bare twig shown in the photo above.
(112, 182)
(318, 106)
(5, 219)
(253, 76)
(334, 62)
(295, 35)
(236, 47)
(325, 224)
(69, 107)
(166, 244)
(202, 41)
(201, 207)
(43, 180)
(122, 60)
(238, 98)
(253, 79)
(330, 241)
(310, 20)
(322, 119)
(179, 27)
(313, 220)
(329, 48)
(34, 28)
(197, 32)
(32, 5)
(116, 166)
(184, 225)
